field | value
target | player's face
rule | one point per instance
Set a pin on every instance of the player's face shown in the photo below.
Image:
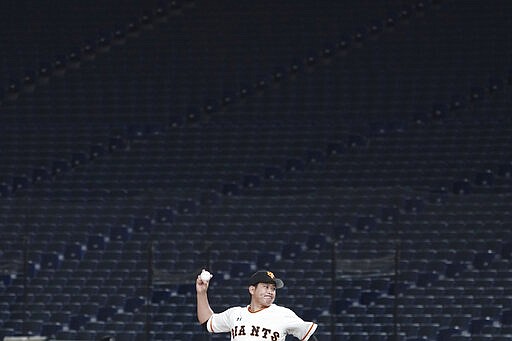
(263, 294)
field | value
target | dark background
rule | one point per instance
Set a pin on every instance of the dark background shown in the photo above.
(361, 150)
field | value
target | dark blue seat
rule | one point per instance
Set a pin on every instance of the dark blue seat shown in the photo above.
(335, 148)
(127, 335)
(368, 297)
(240, 269)
(291, 251)
(366, 223)
(230, 189)
(160, 296)
(506, 250)
(40, 315)
(428, 331)
(141, 225)
(251, 181)
(445, 333)
(60, 167)
(13, 324)
(73, 251)
(273, 172)
(89, 309)
(188, 206)
(32, 327)
(133, 304)
(77, 321)
(316, 242)
(506, 317)
(164, 215)
(476, 325)
(265, 260)
(126, 318)
(390, 214)
(6, 332)
(106, 313)
(483, 259)
(96, 242)
(485, 178)
(462, 187)
(50, 261)
(85, 335)
(454, 269)
(426, 279)
(66, 335)
(119, 233)
(79, 159)
(294, 165)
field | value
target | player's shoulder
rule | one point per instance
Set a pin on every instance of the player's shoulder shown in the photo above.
(232, 312)
(281, 310)
(236, 309)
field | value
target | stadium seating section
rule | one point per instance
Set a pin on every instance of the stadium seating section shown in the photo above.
(361, 150)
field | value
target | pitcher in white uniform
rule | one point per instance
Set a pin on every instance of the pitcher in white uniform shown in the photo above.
(260, 320)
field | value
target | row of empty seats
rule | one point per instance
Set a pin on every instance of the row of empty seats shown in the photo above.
(384, 216)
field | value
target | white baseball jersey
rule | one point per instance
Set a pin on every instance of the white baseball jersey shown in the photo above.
(269, 324)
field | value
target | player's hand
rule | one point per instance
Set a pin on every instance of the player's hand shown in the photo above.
(201, 286)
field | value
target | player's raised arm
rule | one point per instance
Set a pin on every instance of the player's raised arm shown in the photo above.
(204, 311)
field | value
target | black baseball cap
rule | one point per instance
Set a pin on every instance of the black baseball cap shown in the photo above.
(264, 276)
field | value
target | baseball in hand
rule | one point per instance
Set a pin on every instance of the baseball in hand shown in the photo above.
(205, 276)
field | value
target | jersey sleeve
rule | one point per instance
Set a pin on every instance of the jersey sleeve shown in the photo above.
(221, 322)
(298, 327)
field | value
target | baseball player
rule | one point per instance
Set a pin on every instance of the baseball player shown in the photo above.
(260, 320)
